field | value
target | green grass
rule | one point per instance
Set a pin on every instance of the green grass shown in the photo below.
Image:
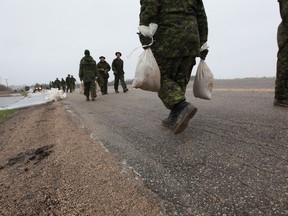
(24, 93)
(5, 114)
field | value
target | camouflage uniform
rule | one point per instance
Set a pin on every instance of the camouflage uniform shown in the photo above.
(63, 84)
(103, 68)
(72, 83)
(57, 83)
(281, 84)
(117, 67)
(88, 72)
(68, 83)
(182, 29)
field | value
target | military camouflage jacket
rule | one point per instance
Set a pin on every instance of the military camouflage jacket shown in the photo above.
(284, 11)
(117, 66)
(182, 26)
(103, 68)
(103, 65)
(88, 69)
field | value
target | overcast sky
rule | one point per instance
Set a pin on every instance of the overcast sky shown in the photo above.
(42, 40)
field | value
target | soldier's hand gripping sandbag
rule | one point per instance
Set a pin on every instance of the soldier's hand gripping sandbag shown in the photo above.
(145, 41)
(146, 34)
(203, 54)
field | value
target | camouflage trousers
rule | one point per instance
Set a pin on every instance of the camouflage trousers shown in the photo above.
(90, 87)
(175, 75)
(122, 81)
(281, 83)
(103, 84)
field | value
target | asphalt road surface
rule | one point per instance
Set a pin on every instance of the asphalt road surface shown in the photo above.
(231, 160)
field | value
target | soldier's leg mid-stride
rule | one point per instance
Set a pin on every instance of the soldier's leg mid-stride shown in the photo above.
(281, 83)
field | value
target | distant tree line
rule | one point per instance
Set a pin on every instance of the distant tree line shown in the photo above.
(4, 88)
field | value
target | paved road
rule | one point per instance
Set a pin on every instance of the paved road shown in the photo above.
(6, 101)
(231, 160)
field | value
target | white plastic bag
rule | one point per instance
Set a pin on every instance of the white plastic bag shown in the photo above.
(54, 94)
(97, 87)
(147, 74)
(81, 88)
(203, 82)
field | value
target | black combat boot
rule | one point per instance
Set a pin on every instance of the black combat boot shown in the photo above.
(94, 97)
(169, 122)
(185, 112)
(87, 98)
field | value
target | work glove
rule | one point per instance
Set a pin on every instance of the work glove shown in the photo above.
(203, 54)
(145, 41)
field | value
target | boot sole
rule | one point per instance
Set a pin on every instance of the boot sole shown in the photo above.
(280, 104)
(184, 123)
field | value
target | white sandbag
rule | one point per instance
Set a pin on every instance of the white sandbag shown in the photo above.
(147, 74)
(81, 88)
(97, 87)
(203, 82)
(54, 94)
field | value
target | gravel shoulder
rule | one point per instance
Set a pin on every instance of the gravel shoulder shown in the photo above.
(51, 165)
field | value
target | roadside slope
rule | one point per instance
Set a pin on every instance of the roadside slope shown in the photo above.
(48, 164)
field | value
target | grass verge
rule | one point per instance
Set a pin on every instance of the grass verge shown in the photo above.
(5, 114)
(24, 93)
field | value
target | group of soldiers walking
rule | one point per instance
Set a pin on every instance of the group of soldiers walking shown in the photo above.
(66, 85)
(90, 72)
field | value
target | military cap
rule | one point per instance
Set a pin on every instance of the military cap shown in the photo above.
(118, 53)
(86, 52)
(101, 57)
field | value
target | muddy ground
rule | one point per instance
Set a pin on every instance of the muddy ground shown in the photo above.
(49, 165)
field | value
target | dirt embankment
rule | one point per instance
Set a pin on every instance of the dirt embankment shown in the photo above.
(49, 166)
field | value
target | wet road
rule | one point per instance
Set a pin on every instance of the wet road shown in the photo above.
(231, 160)
(6, 101)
